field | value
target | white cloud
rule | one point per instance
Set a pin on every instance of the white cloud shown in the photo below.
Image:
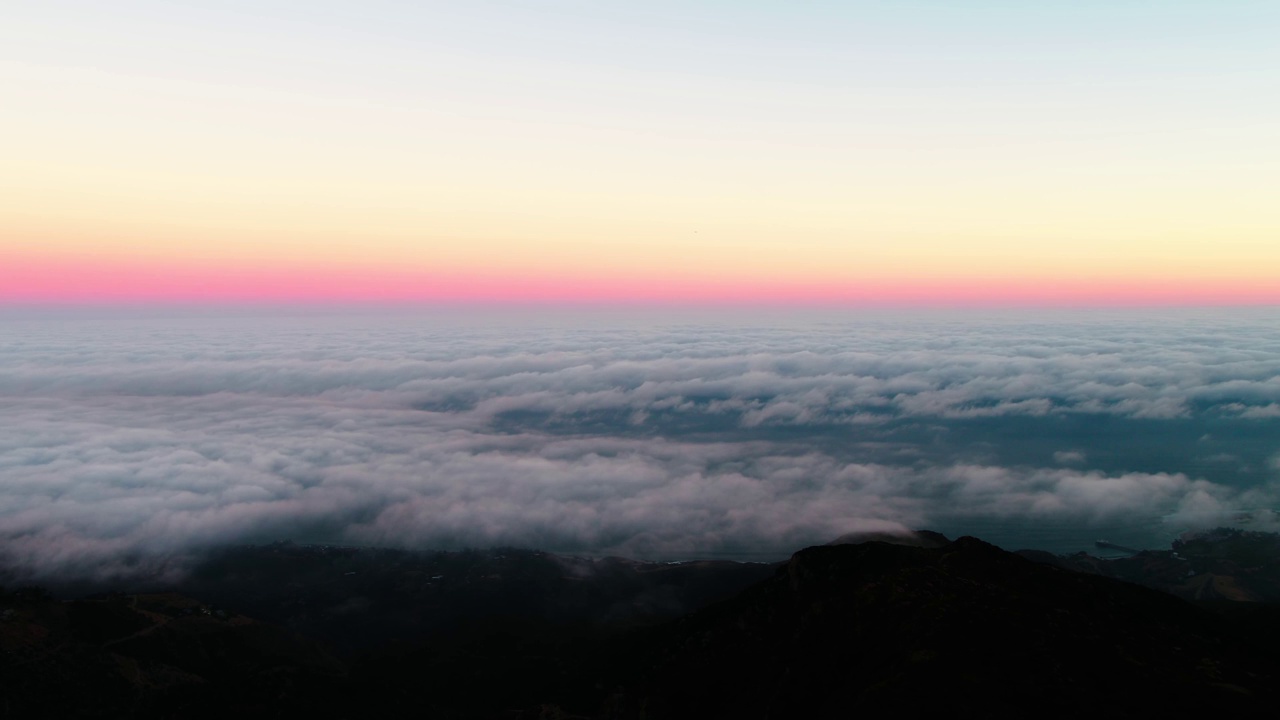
(146, 440)
(1069, 457)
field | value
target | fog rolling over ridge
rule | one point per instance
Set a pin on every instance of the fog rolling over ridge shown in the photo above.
(131, 440)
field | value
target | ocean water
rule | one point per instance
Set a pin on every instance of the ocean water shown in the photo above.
(132, 437)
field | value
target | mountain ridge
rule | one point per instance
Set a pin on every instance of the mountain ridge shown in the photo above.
(915, 624)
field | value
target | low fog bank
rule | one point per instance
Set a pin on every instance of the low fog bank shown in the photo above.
(128, 444)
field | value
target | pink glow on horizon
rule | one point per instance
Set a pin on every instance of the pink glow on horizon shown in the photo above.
(84, 283)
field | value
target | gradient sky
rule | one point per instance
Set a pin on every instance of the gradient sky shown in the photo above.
(942, 152)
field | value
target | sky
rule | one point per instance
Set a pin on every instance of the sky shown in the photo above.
(694, 152)
(133, 442)
(660, 279)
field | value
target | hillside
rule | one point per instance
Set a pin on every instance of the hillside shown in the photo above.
(965, 629)
(912, 626)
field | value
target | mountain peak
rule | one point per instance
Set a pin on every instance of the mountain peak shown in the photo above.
(912, 538)
(969, 626)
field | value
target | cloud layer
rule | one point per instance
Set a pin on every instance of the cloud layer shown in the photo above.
(129, 440)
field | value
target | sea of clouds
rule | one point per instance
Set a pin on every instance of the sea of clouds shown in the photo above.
(132, 439)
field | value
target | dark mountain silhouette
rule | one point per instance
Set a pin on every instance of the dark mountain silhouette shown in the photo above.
(917, 538)
(862, 627)
(1219, 564)
(966, 629)
(161, 655)
(359, 600)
